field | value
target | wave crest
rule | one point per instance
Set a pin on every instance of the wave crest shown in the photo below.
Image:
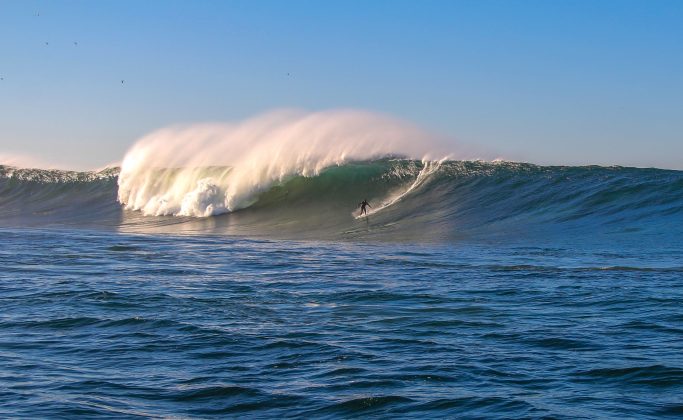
(208, 169)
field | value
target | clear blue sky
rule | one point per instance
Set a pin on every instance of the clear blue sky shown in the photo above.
(564, 82)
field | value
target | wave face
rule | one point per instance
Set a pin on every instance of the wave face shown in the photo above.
(411, 199)
(39, 197)
(166, 173)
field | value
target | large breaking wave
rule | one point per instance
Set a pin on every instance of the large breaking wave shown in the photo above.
(166, 173)
(411, 199)
(301, 175)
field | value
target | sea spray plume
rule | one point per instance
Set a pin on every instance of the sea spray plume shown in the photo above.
(207, 169)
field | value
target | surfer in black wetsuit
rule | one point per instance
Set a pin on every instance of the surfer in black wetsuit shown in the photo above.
(362, 206)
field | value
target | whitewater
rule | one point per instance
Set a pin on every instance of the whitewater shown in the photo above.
(222, 270)
(165, 173)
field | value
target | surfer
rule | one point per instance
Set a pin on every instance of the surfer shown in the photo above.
(362, 206)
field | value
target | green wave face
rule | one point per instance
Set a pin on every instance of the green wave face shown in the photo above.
(410, 200)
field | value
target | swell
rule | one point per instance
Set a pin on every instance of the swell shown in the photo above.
(409, 198)
(46, 197)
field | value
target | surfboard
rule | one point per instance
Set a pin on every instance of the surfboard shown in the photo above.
(429, 168)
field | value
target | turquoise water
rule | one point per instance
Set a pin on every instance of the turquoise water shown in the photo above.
(491, 291)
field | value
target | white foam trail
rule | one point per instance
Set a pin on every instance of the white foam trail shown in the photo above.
(167, 172)
(427, 170)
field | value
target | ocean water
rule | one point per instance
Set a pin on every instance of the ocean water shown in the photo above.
(472, 290)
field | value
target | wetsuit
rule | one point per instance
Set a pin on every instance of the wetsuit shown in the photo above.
(363, 205)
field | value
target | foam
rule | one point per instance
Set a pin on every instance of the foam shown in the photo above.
(177, 170)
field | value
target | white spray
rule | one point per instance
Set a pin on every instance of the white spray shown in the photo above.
(208, 169)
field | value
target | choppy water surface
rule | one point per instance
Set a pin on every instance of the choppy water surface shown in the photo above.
(473, 289)
(100, 323)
